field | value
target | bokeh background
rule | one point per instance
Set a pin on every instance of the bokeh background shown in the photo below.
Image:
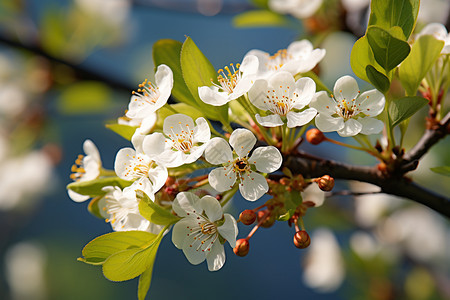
(68, 67)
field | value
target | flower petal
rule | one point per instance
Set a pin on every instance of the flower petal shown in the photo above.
(216, 258)
(177, 124)
(253, 186)
(222, 179)
(212, 208)
(280, 80)
(305, 88)
(77, 197)
(308, 63)
(270, 120)
(123, 158)
(326, 123)
(164, 82)
(154, 144)
(249, 65)
(323, 103)
(91, 150)
(229, 230)
(181, 230)
(258, 94)
(202, 132)
(242, 141)
(372, 103)
(186, 203)
(371, 125)
(295, 119)
(193, 253)
(158, 177)
(218, 151)
(266, 159)
(211, 95)
(346, 88)
(351, 128)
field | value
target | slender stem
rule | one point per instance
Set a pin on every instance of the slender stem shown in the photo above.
(346, 145)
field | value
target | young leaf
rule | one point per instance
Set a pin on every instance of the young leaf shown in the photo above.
(291, 201)
(388, 51)
(424, 53)
(144, 283)
(124, 131)
(101, 248)
(403, 108)
(259, 18)
(378, 79)
(362, 56)
(387, 14)
(168, 52)
(198, 71)
(94, 187)
(443, 170)
(153, 212)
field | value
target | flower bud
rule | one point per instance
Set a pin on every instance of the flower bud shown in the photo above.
(302, 239)
(269, 221)
(315, 136)
(242, 247)
(326, 183)
(247, 217)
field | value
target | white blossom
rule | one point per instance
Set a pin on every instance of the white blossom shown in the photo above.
(298, 8)
(439, 32)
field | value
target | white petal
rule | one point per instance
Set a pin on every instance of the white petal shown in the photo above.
(216, 258)
(266, 159)
(177, 124)
(202, 132)
(249, 65)
(77, 197)
(263, 58)
(148, 123)
(186, 203)
(158, 177)
(171, 159)
(323, 103)
(164, 82)
(242, 87)
(326, 123)
(193, 254)
(218, 151)
(253, 186)
(305, 87)
(295, 119)
(372, 103)
(282, 79)
(154, 144)
(300, 49)
(181, 230)
(91, 150)
(308, 63)
(258, 94)
(123, 158)
(435, 29)
(222, 179)
(371, 125)
(211, 95)
(346, 88)
(229, 230)
(351, 128)
(212, 208)
(242, 141)
(270, 120)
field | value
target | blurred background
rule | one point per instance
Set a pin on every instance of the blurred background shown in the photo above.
(68, 67)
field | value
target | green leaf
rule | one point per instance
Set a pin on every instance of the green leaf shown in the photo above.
(443, 170)
(153, 212)
(403, 108)
(101, 248)
(378, 79)
(94, 187)
(362, 56)
(387, 14)
(291, 201)
(144, 283)
(94, 208)
(84, 97)
(259, 18)
(168, 52)
(197, 72)
(388, 51)
(424, 53)
(124, 131)
(128, 264)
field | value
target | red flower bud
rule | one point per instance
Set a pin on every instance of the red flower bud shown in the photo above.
(326, 183)
(315, 136)
(302, 239)
(242, 247)
(247, 217)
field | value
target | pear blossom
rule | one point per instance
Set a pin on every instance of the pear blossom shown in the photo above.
(239, 165)
(298, 8)
(233, 82)
(299, 57)
(85, 168)
(121, 209)
(181, 143)
(439, 32)
(348, 111)
(135, 165)
(280, 95)
(149, 97)
(144, 125)
(201, 229)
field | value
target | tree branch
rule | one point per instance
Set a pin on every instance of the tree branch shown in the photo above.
(398, 186)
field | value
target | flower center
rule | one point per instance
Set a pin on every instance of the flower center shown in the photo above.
(241, 164)
(208, 228)
(77, 169)
(229, 78)
(182, 138)
(279, 101)
(277, 60)
(347, 110)
(146, 93)
(138, 167)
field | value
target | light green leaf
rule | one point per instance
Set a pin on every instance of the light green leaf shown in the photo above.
(153, 212)
(403, 108)
(424, 54)
(291, 201)
(387, 14)
(443, 170)
(124, 131)
(198, 71)
(378, 79)
(388, 51)
(84, 97)
(128, 264)
(101, 248)
(362, 56)
(259, 18)
(168, 52)
(94, 187)
(144, 283)
(93, 207)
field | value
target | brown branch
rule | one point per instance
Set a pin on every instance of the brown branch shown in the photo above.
(397, 186)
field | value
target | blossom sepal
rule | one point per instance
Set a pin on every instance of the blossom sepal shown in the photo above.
(93, 188)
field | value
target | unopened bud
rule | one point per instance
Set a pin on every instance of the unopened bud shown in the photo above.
(269, 219)
(242, 247)
(302, 239)
(326, 183)
(247, 217)
(315, 136)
